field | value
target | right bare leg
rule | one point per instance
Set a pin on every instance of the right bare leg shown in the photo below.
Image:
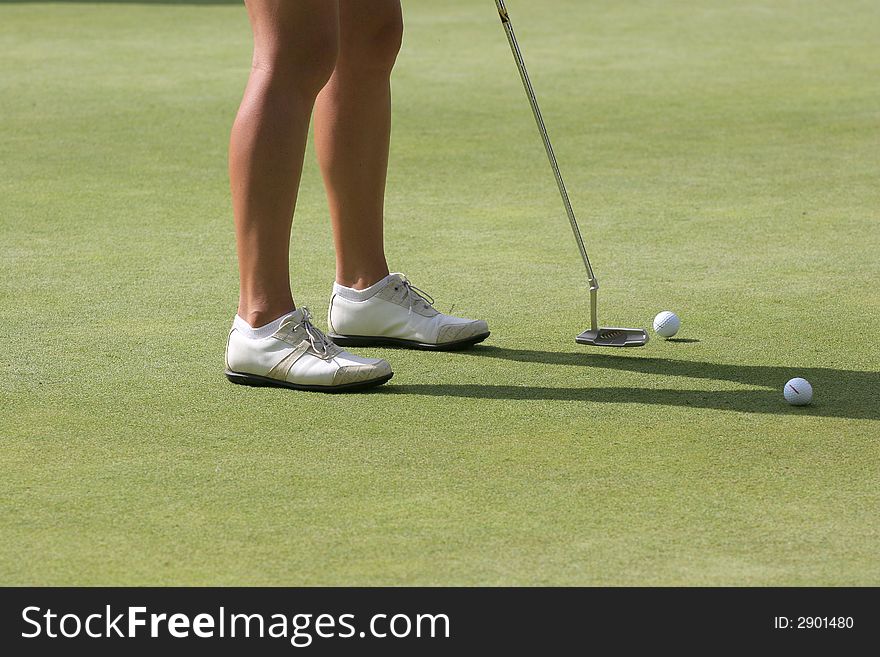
(295, 48)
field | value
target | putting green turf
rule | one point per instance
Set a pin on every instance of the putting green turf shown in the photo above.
(724, 159)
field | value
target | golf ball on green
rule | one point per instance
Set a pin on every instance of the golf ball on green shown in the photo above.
(798, 392)
(666, 324)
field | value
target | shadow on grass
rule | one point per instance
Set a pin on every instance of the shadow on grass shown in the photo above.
(839, 393)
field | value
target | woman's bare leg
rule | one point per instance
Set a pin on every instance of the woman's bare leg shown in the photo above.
(295, 48)
(352, 133)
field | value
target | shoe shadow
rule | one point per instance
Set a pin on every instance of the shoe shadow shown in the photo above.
(839, 393)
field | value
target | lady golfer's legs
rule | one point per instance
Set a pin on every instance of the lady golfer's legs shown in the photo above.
(341, 53)
(352, 133)
(295, 47)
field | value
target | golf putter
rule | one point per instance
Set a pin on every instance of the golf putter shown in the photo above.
(595, 335)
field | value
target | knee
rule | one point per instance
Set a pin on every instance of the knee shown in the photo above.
(375, 48)
(304, 64)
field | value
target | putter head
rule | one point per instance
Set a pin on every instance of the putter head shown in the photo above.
(614, 337)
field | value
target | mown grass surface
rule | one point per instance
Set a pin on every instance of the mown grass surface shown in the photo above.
(724, 160)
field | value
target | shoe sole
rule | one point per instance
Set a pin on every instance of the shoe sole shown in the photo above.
(257, 381)
(373, 341)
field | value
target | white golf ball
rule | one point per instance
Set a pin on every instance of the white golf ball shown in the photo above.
(798, 392)
(666, 324)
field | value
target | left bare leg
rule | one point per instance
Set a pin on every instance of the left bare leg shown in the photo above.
(352, 134)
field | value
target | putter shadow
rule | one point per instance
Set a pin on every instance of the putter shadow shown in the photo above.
(839, 392)
(743, 401)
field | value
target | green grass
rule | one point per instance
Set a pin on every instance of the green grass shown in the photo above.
(724, 159)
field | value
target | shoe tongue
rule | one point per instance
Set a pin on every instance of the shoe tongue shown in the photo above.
(295, 317)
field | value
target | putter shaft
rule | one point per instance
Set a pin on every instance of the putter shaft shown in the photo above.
(563, 192)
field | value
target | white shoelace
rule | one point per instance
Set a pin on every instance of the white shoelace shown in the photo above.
(414, 294)
(320, 343)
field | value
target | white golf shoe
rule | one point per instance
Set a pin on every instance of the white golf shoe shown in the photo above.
(292, 353)
(394, 312)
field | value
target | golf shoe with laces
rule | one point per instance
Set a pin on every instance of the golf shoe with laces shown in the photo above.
(298, 355)
(394, 312)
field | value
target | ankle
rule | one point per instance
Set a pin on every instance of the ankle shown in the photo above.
(257, 317)
(361, 280)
